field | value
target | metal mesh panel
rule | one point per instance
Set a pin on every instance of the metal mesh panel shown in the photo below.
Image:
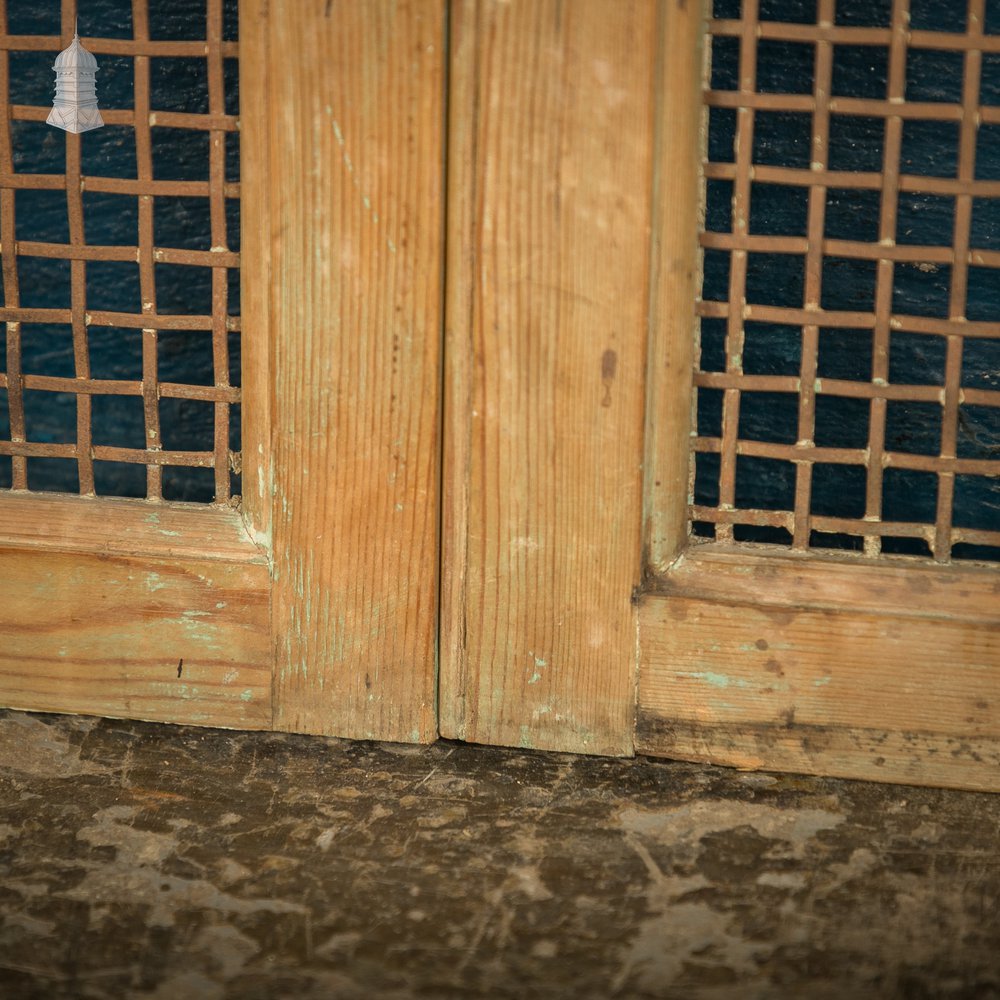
(821, 279)
(32, 304)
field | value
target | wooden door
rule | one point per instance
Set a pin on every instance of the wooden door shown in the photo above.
(848, 621)
(579, 610)
(550, 179)
(313, 607)
(473, 246)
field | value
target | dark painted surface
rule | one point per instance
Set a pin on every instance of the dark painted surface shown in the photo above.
(176, 84)
(153, 861)
(782, 138)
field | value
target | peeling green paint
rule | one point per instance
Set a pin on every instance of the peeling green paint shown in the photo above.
(195, 629)
(709, 677)
(723, 681)
(539, 663)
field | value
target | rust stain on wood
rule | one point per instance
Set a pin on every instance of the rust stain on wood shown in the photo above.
(609, 366)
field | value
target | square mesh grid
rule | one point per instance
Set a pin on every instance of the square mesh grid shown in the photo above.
(849, 377)
(73, 416)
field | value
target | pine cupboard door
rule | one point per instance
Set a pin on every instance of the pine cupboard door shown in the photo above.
(821, 534)
(699, 498)
(312, 607)
(550, 181)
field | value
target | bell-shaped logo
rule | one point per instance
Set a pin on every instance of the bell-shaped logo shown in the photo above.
(75, 106)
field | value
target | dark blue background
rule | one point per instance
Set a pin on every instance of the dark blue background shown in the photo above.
(177, 84)
(777, 279)
(781, 138)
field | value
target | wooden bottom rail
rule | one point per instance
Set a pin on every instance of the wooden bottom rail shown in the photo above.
(130, 609)
(885, 672)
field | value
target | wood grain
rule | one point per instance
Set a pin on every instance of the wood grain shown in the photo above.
(355, 107)
(113, 526)
(891, 674)
(678, 200)
(909, 758)
(255, 269)
(130, 609)
(550, 175)
(903, 587)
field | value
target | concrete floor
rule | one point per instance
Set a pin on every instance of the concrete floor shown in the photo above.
(142, 860)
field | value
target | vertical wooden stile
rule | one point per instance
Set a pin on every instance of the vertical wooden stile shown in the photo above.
(675, 280)
(550, 164)
(255, 269)
(355, 99)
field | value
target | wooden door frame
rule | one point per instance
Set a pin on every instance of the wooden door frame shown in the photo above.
(315, 608)
(759, 658)
(549, 182)
(744, 655)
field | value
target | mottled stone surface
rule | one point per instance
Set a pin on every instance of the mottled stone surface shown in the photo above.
(146, 860)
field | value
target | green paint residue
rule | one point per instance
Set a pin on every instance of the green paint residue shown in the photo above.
(723, 681)
(246, 695)
(716, 680)
(539, 663)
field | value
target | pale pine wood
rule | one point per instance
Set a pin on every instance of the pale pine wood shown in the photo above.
(113, 526)
(355, 107)
(550, 173)
(102, 600)
(790, 662)
(678, 207)
(255, 268)
(825, 667)
(806, 580)
(909, 758)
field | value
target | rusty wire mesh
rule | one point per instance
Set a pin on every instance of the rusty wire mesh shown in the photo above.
(216, 325)
(834, 476)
